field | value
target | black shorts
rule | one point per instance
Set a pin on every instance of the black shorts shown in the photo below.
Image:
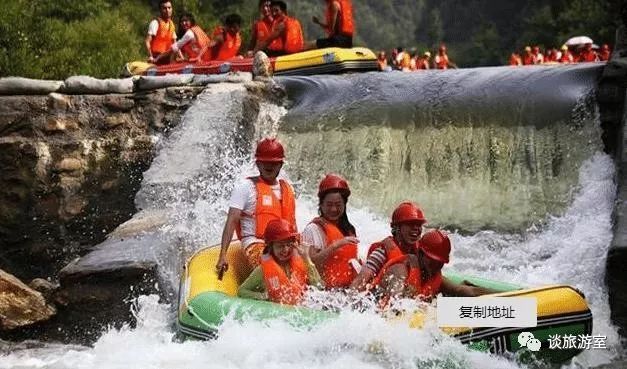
(335, 41)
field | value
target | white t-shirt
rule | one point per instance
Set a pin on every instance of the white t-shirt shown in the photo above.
(314, 235)
(244, 197)
(189, 36)
(153, 27)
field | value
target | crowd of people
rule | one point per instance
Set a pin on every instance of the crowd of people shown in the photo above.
(411, 60)
(405, 263)
(585, 53)
(275, 32)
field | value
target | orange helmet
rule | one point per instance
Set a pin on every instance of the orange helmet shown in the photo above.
(407, 212)
(279, 230)
(269, 150)
(333, 182)
(436, 245)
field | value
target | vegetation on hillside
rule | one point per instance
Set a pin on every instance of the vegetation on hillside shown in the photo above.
(58, 38)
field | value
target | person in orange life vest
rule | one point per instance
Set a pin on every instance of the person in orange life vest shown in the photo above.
(190, 44)
(225, 40)
(515, 60)
(285, 269)
(420, 274)
(407, 222)
(382, 61)
(424, 62)
(588, 54)
(286, 30)
(261, 27)
(528, 57)
(567, 56)
(255, 202)
(331, 235)
(538, 58)
(161, 33)
(441, 60)
(338, 25)
(605, 53)
(551, 55)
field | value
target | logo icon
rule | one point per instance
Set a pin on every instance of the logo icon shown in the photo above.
(526, 339)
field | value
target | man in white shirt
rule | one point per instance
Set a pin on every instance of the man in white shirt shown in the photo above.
(257, 201)
(161, 32)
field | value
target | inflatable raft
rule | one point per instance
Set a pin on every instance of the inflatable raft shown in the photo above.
(320, 61)
(204, 302)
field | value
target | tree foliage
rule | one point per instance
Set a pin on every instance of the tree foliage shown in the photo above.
(58, 38)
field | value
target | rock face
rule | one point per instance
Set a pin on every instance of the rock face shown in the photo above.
(71, 165)
(20, 305)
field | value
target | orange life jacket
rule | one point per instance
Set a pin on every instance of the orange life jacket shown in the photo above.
(528, 59)
(391, 253)
(344, 22)
(192, 49)
(441, 61)
(426, 289)
(567, 57)
(604, 55)
(383, 63)
(281, 288)
(228, 48)
(515, 60)
(337, 272)
(163, 40)
(269, 207)
(422, 64)
(293, 41)
(588, 56)
(263, 28)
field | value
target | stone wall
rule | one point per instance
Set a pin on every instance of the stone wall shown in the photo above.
(71, 165)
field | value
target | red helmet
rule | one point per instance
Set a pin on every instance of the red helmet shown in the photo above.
(436, 245)
(279, 230)
(333, 182)
(269, 150)
(407, 212)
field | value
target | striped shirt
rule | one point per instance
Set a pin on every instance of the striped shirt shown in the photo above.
(376, 260)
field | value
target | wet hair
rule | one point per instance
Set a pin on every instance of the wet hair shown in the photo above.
(233, 20)
(161, 2)
(281, 4)
(343, 223)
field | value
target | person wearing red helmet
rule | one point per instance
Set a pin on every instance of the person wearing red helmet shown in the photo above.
(285, 269)
(331, 235)
(407, 222)
(419, 274)
(257, 201)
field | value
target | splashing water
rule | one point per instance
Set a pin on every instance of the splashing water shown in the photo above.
(365, 339)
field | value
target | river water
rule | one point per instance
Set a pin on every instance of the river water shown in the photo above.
(508, 160)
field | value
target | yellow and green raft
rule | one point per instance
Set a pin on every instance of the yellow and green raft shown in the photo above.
(204, 303)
